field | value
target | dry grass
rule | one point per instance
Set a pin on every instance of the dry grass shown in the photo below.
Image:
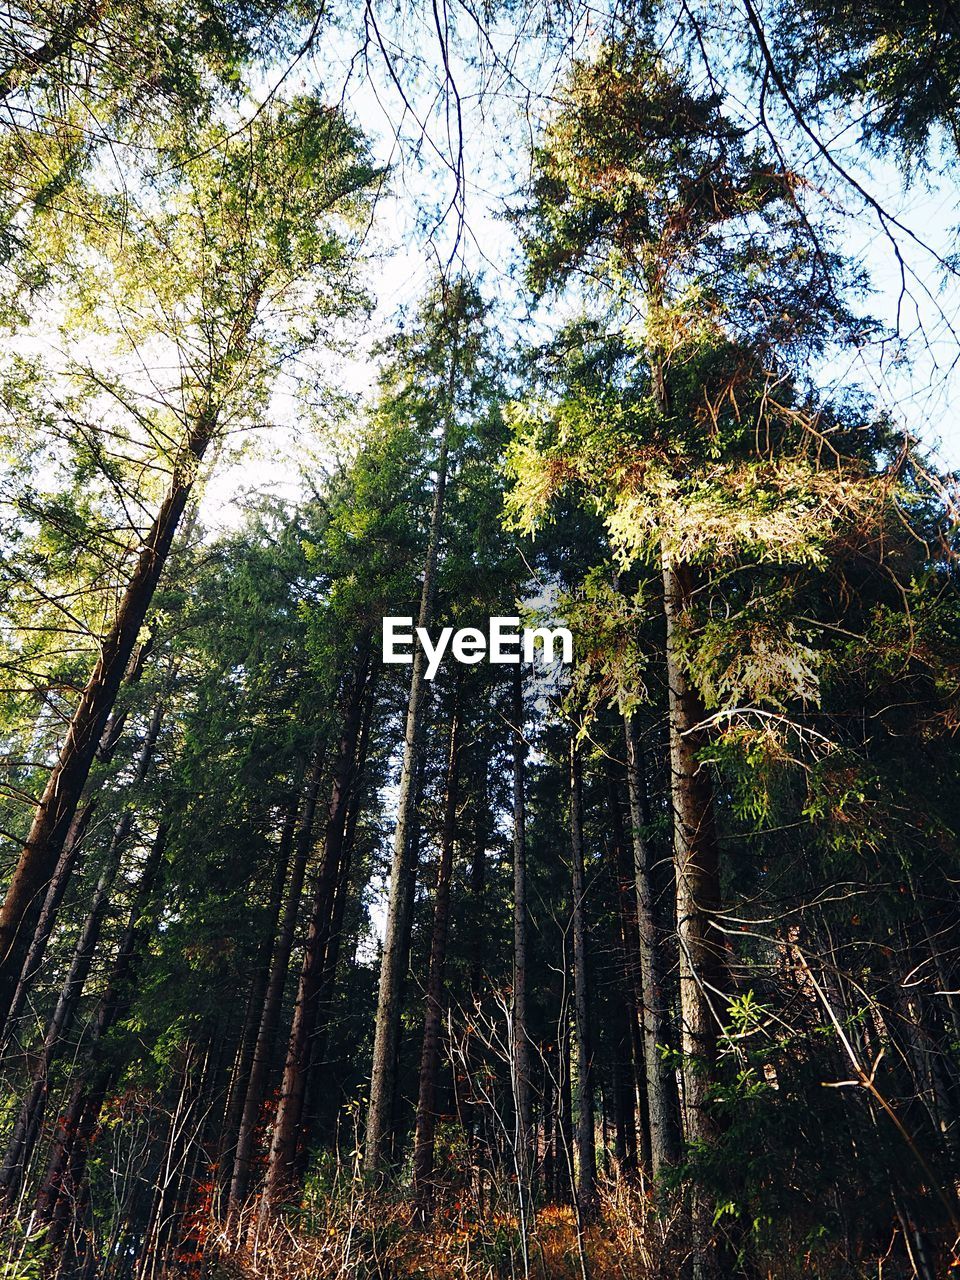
(363, 1236)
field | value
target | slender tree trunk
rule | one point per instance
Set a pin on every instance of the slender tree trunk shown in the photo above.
(478, 890)
(477, 954)
(566, 1180)
(263, 967)
(64, 1175)
(696, 858)
(633, 1142)
(27, 1127)
(282, 1162)
(387, 1031)
(154, 1258)
(662, 1101)
(520, 1029)
(406, 912)
(320, 1104)
(585, 1141)
(190, 1215)
(72, 844)
(56, 890)
(58, 804)
(256, 1084)
(424, 1141)
(386, 1039)
(551, 1112)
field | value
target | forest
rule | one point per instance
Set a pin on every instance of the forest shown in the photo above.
(636, 318)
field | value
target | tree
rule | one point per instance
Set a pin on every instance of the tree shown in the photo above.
(240, 242)
(448, 349)
(644, 186)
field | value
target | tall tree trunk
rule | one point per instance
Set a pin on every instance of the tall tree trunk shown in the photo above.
(386, 1039)
(65, 1170)
(263, 967)
(387, 1031)
(256, 1084)
(696, 858)
(518, 1010)
(633, 1144)
(406, 914)
(552, 1158)
(56, 890)
(27, 1127)
(282, 1163)
(661, 1089)
(320, 1103)
(424, 1141)
(58, 804)
(478, 886)
(566, 1175)
(154, 1255)
(585, 1142)
(79, 824)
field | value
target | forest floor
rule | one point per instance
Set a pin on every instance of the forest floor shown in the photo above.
(363, 1237)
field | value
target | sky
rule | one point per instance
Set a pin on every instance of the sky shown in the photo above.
(424, 218)
(912, 374)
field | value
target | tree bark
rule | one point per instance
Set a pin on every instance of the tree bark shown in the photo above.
(697, 863)
(424, 1140)
(60, 880)
(64, 1175)
(282, 1166)
(27, 1126)
(263, 968)
(587, 1201)
(318, 1106)
(264, 1048)
(386, 1039)
(662, 1101)
(56, 890)
(629, 1080)
(520, 1029)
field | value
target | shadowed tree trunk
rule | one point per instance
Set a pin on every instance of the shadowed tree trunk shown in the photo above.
(520, 1030)
(27, 1127)
(256, 1084)
(263, 966)
(696, 857)
(318, 1105)
(387, 1031)
(585, 1144)
(62, 1185)
(79, 824)
(629, 1086)
(661, 1089)
(282, 1166)
(424, 1141)
(56, 890)
(386, 1041)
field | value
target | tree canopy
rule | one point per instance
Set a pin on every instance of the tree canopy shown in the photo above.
(616, 320)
